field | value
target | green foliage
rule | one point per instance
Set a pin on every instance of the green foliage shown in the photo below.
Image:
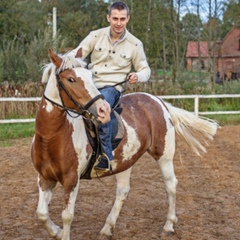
(21, 19)
(230, 15)
(21, 64)
(37, 53)
(12, 66)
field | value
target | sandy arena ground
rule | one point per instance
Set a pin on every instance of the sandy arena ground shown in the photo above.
(208, 196)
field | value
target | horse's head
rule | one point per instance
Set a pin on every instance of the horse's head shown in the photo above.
(76, 88)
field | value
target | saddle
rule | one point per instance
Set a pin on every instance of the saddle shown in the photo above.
(93, 137)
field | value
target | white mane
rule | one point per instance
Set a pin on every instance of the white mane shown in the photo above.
(69, 62)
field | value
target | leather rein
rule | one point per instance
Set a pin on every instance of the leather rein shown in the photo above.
(83, 110)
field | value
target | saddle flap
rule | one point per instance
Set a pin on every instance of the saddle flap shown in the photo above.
(119, 125)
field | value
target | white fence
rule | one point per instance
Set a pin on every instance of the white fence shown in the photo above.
(18, 99)
(195, 97)
(198, 97)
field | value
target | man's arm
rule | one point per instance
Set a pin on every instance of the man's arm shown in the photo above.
(140, 65)
(84, 48)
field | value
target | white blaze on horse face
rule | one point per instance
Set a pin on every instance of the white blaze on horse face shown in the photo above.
(102, 107)
(87, 79)
(132, 145)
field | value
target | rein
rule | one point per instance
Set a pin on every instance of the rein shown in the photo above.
(84, 110)
(120, 83)
(63, 107)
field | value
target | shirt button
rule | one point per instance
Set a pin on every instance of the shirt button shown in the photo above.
(105, 65)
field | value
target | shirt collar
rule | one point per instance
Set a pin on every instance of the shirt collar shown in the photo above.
(121, 37)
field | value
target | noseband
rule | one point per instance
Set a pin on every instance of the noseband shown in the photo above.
(83, 110)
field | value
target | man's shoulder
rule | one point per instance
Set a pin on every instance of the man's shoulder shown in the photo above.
(100, 31)
(132, 39)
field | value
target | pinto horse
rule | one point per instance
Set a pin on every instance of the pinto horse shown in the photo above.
(61, 149)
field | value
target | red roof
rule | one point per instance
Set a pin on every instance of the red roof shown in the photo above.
(192, 49)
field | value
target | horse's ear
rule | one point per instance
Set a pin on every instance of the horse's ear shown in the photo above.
(56, 60)
(79, 53)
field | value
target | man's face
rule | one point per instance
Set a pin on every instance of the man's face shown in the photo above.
(118, 21)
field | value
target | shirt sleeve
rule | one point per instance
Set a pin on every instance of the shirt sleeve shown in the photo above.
(140, 64)
(87, 45)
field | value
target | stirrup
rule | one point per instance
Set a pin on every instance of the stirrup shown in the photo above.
(98, 166)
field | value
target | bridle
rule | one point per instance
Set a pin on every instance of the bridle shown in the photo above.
(84, 111)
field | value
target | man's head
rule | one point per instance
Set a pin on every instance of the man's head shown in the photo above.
(118, 17)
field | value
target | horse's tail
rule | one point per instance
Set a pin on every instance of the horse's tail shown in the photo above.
(191, 128)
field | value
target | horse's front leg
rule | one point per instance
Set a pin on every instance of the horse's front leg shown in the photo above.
(68, 212)
(45, 196)
(123, 188)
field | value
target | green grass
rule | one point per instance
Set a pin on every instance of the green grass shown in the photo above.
(12, 131)
(226, 119)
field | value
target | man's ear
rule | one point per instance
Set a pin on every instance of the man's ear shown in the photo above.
(108, 18)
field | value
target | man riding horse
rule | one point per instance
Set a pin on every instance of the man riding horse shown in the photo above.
(113, 51)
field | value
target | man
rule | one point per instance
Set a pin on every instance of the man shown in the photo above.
(113, 51)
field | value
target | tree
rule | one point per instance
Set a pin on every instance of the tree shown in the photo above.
(191, 27)
(231, 10)
(21, 18)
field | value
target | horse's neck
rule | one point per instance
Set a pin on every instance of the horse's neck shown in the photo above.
(53, 120)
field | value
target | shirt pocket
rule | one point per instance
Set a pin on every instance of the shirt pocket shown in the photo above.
(124, 59)
(99, 52)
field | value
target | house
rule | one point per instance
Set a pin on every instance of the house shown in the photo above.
(223, 57)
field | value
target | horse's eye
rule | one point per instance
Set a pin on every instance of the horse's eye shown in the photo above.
(71, 80)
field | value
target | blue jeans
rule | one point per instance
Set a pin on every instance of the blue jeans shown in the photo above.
(105, 130)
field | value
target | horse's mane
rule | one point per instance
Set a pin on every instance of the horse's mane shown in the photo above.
(69, 62)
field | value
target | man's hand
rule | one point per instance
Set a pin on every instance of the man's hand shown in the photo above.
(132, 77)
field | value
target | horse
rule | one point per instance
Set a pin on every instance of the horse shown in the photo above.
(61, 150)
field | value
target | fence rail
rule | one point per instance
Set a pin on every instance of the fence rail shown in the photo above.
(195, 97)
(198, 97)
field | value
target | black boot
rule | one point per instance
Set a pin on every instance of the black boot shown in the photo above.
(103, 165)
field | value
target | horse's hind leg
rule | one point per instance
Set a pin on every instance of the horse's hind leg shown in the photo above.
(45, 196)
(167, 169)
(123, 188)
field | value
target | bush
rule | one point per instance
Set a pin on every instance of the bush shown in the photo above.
(22, 63)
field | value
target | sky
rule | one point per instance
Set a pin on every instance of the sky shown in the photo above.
(190, 6)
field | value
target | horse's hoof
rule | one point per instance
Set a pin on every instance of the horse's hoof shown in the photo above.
(168, 235)
(165, 233)
(104, 237)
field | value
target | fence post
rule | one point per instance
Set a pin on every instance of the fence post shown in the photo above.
(196, 105)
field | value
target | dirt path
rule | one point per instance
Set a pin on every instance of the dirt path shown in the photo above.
(208, 196)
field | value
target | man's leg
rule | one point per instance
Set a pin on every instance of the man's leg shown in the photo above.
(105, 131)
(105, 134)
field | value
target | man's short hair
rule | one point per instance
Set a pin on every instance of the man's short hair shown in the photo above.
(119, 6)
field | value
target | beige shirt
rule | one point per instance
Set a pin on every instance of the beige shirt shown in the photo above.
(110, 63)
